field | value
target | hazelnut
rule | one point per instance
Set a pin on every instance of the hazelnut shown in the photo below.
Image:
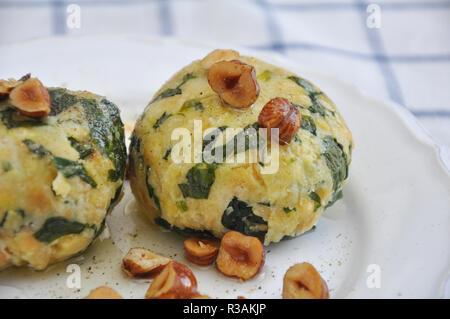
(103, 292)
(280, 113)
(6, 86)
(240, 255)
(31, 98)
(234, 82)
(4, 259)
(218, 55)
(200, 296)
(140, 262)
(201, 251)
(176, 281)
(302, 281)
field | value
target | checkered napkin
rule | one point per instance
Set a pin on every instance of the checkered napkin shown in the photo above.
(397, 50)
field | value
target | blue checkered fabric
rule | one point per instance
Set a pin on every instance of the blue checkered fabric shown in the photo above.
(406, 59)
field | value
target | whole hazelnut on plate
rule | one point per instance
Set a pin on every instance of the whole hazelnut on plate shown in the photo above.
(103, 292)
(303, 281)
(176, 281)
(201, 251)
(140, 262)
(240, 255)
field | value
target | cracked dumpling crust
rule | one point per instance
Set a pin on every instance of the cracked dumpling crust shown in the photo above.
(207, 199)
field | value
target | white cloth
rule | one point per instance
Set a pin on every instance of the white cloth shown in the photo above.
(406, 60)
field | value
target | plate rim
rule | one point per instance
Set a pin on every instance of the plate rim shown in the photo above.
(412, 123)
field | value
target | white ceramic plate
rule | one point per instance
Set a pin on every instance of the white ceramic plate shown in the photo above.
(395, 211)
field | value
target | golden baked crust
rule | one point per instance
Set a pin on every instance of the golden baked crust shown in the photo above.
(312, 167)
(59, 176)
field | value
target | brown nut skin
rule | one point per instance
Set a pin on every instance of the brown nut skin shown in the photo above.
(6, 86)
(4, 258)
(31, 98)
(200, 296)
(280, 113)
(240, 255)
(217, 56)
(235, 83)
(303, 281)
(201, 251)
(142, 263)
(176, 281)
(103, 292)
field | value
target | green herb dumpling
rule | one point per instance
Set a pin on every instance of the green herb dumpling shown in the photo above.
(62, 166)
(200, 197)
